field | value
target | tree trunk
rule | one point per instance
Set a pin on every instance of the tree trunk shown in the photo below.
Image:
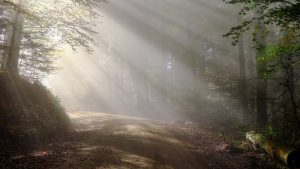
(290, 84)
(243, 87)
(252, 83)
(261, 83)
(13, 56)
(289, 155)
(274, 115)
(261, 102)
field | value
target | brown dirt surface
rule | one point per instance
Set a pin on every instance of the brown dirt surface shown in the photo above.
(104, 141)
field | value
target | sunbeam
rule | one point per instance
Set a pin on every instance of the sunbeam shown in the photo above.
(139, 84)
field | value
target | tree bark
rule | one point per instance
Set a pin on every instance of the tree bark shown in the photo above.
(243, 87)
(261, 83)
(13, 56)
(289, 155)
(290, 84)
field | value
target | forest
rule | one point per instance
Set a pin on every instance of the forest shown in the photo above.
(160, 84)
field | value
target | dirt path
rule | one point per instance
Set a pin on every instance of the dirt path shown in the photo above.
(123, 142)
(103, 141)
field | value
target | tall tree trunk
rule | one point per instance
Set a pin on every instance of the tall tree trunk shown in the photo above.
(261, 82)
(292, 105)
(251, 83)
(243, 87)
(13, 56)
(261, 102)
(289, 97)
(274, 116)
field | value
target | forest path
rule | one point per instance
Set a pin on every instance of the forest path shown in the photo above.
(122, 142)
(105, 141)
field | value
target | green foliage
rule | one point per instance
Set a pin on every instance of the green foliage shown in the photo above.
(274, 133)
(288, 133)
(283, 14)
(48, 26)
(281, 54)
(275, 55)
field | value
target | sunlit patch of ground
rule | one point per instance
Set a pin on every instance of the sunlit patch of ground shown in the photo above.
(121, 125)
(81, 115)
(136, 142)
(84, 121)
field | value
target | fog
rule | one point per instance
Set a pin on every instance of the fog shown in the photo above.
(160, 59)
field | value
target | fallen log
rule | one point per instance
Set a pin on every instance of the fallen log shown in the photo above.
(288, 154)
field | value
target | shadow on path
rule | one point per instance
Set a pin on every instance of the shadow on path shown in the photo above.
(112, 141)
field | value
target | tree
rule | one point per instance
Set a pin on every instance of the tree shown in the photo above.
(39, 28)
(242, 85)
(261, 81)
(281, 13)
(279, 56)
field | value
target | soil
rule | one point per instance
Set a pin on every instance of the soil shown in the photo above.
(104, 141)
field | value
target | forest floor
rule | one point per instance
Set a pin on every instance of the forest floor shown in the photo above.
(103, 141)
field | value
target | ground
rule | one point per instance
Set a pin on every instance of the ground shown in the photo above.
(104, 141)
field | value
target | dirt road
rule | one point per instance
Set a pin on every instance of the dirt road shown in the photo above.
(104, 141)
(124, 142)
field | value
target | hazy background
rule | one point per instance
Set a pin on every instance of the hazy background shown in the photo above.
(162, 59)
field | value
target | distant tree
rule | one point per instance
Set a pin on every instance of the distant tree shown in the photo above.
(242, 85)
(261, 81)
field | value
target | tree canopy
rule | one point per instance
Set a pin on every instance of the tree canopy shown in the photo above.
(284, 14)
(46, 26)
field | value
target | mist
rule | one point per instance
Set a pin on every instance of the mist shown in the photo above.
(159, 84)
(153, 59)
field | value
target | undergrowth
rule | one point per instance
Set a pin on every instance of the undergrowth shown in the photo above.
(30, 115)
